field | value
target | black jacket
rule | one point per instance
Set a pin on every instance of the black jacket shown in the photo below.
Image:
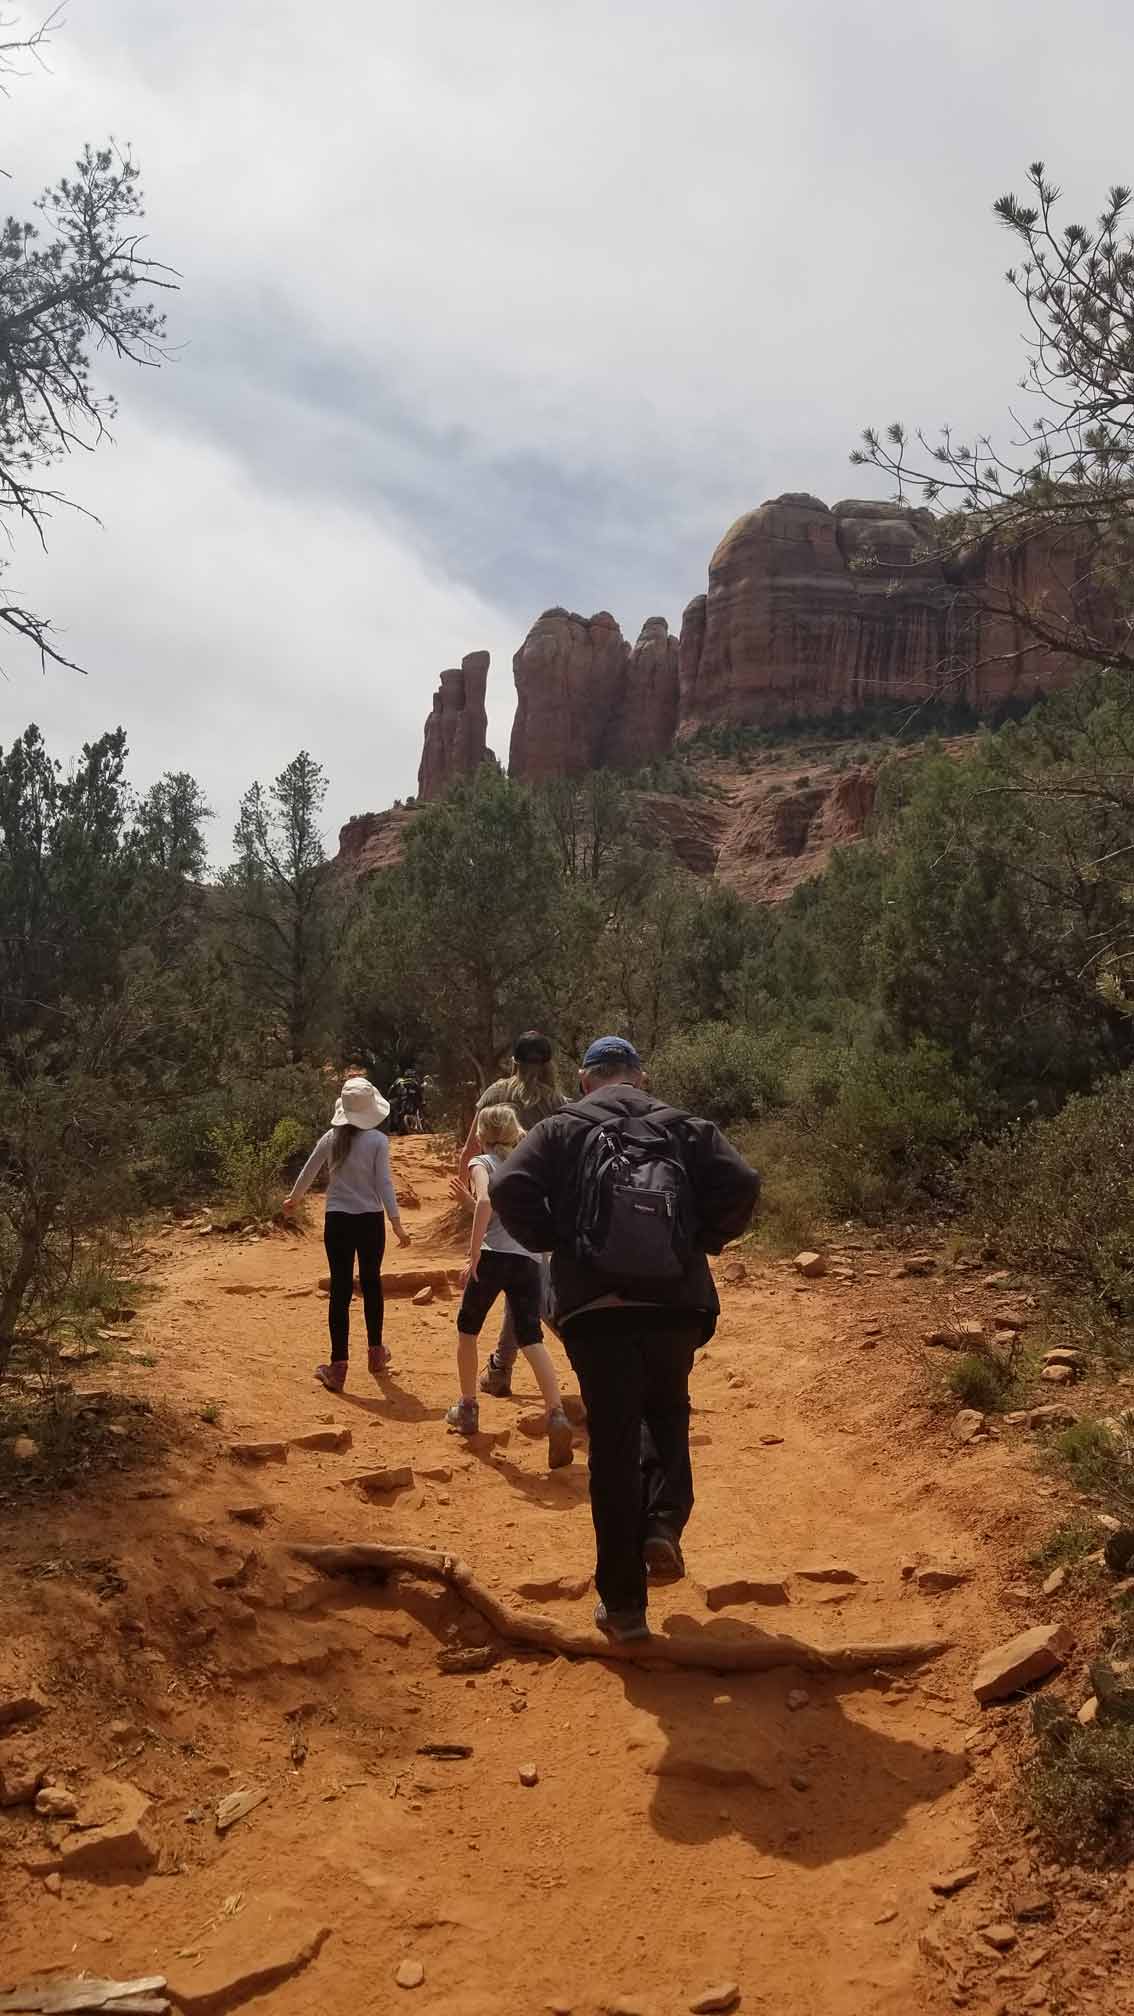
(536, 1196)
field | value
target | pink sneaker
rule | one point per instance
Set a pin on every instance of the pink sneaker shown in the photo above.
(378, 1362)
(332, 1376)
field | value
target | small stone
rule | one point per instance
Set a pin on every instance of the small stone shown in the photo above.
(935, 1580)
(258, 1452)
(54, 1802)
(529, 1775)
(1064, 1355)
(553, 1588)
(968, 1424)
(1000, 1937)
(1000, 1280)
(798, 1698)
(110, 1841)
(438, 1473)
(886, 1917)
(466, 1658)
(334, 1440)
(1032, 1906)
(1033, 1655)
(915, 1266)
(724, 1996)
(1056, 1414)
(1055, 1581)
(53, 1883)
(17, 1710)
(827, 1572)
(1058, 1375)
(810, 1265)
(19, 1782)
(799, 1782)
(23, 1448)
(771, 1441)
(957, 1879)
(423, 1297)
(1088, 1713)
(410, 1974)
(248, 1515)
(397, 1478)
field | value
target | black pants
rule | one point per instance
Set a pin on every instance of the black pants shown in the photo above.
(346, 1233)
(517, 1278)
(633, 1370)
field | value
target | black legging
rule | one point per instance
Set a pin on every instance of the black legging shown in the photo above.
(346, 1233)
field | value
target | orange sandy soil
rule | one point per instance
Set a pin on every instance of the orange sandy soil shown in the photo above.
(687, 1828)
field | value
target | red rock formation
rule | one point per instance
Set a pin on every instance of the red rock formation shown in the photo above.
(374, 840)
(812, 611)
(457, 729)
(570, 674)
(645, 723)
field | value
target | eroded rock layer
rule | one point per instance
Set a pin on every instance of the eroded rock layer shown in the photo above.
(456, 732)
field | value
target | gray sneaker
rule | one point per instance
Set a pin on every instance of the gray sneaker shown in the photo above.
(626, 1627)
(496, 1379)
(464, 1417)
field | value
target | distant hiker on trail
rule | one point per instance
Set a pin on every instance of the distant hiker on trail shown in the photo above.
(629, 1196)
(499, 1265)
(532, 1091)
(360, 1197)
(407, 1102)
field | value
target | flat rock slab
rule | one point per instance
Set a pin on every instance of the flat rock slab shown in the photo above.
(410, 1282)
(110, 1842)
(267, 1942)
(935, 1578)
(722, 1594)
(258, 1452)
(826, 1571)
(1033, 1655)
(724, 1996)
(67, 1998)
(552, 1588)
(248, 1515)
(399, 1478)
(334, 1440)
(236, 1806)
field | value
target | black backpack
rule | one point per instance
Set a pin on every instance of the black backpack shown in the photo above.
(635, 1216)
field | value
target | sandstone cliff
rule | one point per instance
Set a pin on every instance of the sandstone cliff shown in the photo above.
(456, 732)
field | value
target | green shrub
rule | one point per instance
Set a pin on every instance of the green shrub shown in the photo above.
(978, 1380)
(1080, 1788)
(1066, 1544)
(250, 1168)
(722, 1070)
(1099, 1455)
(1058, 1195)
(885, 1129)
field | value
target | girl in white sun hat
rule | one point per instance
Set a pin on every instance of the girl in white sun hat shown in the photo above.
(360, 1197)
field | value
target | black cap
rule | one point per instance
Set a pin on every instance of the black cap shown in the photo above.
(531, 1048)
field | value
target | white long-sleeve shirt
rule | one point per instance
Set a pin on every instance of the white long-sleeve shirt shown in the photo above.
(362, 1183)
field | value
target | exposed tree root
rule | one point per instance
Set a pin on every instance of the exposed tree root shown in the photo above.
(756, 1652)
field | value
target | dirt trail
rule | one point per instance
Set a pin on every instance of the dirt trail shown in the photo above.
(686, 1828)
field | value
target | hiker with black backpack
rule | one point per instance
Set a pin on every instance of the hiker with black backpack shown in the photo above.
(629, 1196)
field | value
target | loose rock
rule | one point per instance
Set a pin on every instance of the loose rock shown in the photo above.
(798, 1698)
(23, 1448)
(724, 1996)
(398, 1478)
(53, 1883)
(934, 1580)
(553, 1588)
(113, 1841)
(1064, 1355)
(1034, 1655)
(1001, 1938)
(810, 1265)
(334, 1440)
(19, 1782)
(18, 1710)
(466, 1658)
(1088, 1713)
(1055, 1581)
(410, 1974)
(248, 1515)
(968, 1424)
(54, 1802)
(236, 1806)
(529, 1775)
(957, 1879)
(423, 1297)
(1058, 1375)
(827, 1572)
(1032, 1906)
(258, 1452)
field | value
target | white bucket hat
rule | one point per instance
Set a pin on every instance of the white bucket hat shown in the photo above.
(359, 1104)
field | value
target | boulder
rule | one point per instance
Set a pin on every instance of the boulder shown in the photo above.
(258, 1452)
(1058, 1375)
(111, 1840)
(19, 1781)
(397, 1477)
(968, 1424)
(1033, 1655)
(810, 1265)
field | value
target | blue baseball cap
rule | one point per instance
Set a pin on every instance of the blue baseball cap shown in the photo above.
(612, 1050)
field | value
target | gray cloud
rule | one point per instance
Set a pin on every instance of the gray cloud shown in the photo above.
(496, 306)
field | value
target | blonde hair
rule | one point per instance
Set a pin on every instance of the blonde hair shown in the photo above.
(535, 1084)
(497, 1127)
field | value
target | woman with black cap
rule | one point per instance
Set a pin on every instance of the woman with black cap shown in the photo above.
(532, 1091)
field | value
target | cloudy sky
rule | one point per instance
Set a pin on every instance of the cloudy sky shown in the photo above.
(491, 304)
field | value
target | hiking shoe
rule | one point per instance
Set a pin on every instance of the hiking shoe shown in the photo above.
(664, 1560)
(560, 1443)
(332, 1376)
(626, 1627)
(378, 1362)
(496, 1379)
(464, 1417)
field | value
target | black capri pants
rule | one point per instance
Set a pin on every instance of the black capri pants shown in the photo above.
(517, 1278)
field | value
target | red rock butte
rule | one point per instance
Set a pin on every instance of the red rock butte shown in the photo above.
(811, 611)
